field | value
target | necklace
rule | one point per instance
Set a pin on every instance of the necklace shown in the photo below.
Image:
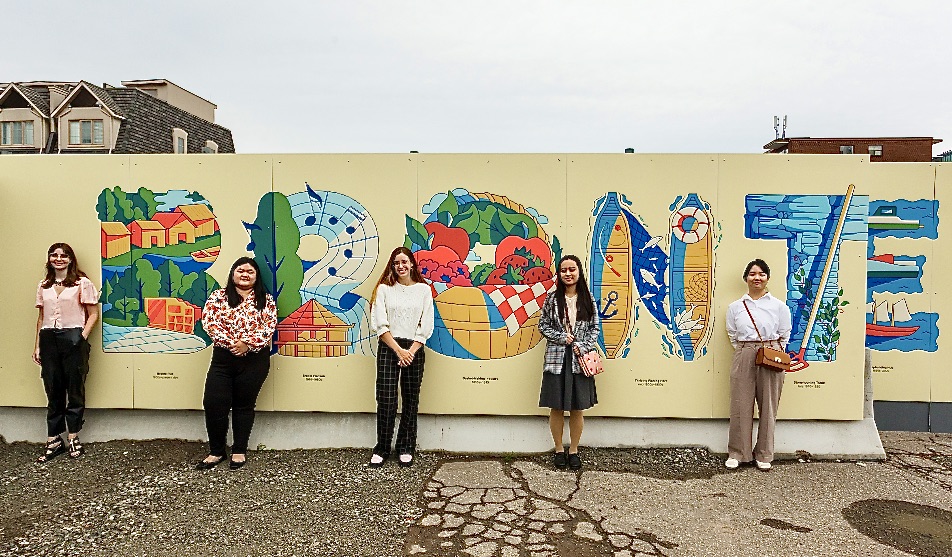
(59, 282)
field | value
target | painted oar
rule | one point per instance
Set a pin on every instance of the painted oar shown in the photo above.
(798, 361)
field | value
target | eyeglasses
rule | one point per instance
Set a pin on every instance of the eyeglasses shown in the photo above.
(58, 256)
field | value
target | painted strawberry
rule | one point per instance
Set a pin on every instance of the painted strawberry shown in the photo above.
(536, 274)
(536, 246)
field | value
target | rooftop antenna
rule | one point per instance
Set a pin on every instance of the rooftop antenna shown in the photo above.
(780, 133)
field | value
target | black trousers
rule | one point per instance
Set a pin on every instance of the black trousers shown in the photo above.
(233, 383)
(64, 357)
(389, 375)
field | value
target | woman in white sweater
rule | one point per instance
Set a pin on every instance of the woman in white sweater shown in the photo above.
(402, 317)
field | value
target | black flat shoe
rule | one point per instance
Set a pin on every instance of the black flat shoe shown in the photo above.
(575, 463)
(208, 465)
(383, 459)
(559, 460)
(405, 463)
(236, 464)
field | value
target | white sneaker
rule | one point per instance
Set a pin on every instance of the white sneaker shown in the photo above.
(731, 463)
(763, 466)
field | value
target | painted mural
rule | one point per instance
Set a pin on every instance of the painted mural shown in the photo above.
(155, 249)
(629, 269)
(490, 264)
(319, 314)
(898, 323)
(813, 227)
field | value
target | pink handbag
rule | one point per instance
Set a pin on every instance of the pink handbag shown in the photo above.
(591, 363)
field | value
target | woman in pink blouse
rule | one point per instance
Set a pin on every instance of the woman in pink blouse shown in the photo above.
(240, 319)
(67, 303)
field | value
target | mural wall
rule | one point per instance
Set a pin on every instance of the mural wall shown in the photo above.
(664, 240)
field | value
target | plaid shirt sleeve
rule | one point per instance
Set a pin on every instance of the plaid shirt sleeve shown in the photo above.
(554, 332)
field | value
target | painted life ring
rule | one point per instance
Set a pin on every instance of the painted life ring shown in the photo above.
(690, 224)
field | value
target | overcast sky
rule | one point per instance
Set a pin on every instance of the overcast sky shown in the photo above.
(508, 76)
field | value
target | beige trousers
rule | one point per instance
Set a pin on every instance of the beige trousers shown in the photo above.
(749, 383)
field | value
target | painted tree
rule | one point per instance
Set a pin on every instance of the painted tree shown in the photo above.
(114, 205)
(170, 279)
(275, 239)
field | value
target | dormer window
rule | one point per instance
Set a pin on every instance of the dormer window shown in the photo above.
(17, 133)
(179, 141)
(85, 132)
(210, 147)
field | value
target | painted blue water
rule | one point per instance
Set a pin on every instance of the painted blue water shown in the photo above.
(926, 211)
(926, 338)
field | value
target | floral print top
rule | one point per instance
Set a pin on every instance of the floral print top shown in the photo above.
(227, 325)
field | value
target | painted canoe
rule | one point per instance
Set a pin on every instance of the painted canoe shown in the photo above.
(691, 275)
(610, 276)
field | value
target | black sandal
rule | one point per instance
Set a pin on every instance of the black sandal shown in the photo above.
(53, 449)
(76, 449)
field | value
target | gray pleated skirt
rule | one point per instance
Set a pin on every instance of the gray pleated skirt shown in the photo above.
(567, 391)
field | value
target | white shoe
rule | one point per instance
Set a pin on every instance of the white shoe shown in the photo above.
(763, 466)
(731, 463)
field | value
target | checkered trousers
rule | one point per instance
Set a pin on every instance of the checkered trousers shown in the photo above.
(389, 375)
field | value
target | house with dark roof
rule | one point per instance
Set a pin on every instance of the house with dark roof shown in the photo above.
(146, 116)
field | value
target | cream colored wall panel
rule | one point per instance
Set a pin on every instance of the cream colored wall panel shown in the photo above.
(908, 238)
(349, 213)
(941, 300)
(477, 362)
(652, 373)
(47, 200)
(780, 196)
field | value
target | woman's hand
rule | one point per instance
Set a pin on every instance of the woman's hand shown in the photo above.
(569, 338)
(36, 356)
(240, 348)
(406, 357)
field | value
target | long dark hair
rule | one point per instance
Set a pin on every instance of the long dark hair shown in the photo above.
(73, 273)
(234, 298)
(389, 276)
(586, 310)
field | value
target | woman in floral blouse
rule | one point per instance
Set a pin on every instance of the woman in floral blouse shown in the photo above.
(241, 319)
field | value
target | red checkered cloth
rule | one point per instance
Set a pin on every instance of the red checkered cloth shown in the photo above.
(518, 302)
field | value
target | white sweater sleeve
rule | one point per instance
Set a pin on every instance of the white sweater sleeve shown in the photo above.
(378, 317)
(425, 326)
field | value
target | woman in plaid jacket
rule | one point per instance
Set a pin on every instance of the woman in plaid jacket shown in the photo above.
(570, 325)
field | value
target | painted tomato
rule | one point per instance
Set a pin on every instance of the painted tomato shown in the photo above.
(455, 239)
(536, 246)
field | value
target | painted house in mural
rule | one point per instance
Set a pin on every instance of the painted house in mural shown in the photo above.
(178, 229)
(200, 217)
(172, 314)
(147, 234)
(313, 332)
(115, 239)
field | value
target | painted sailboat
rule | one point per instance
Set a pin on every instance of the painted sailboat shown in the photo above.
(890, 314)
(887, 266)
(612, 283)
(691, 275)
(886, 217)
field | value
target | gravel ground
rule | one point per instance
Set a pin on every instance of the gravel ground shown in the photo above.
(145, 498)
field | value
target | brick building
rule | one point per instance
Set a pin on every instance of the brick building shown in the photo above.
(879, 149)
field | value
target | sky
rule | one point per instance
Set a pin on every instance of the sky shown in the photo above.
(515, 77)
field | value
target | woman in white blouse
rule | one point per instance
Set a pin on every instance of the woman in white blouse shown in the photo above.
(402, 317)
(68, 306)
(750, 382)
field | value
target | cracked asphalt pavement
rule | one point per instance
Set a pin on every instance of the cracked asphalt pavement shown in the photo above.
(145, 498)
